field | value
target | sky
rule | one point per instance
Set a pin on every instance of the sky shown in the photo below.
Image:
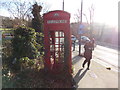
(105, 11)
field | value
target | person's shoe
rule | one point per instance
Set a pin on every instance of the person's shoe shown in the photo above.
(83, 66)
(88, 69)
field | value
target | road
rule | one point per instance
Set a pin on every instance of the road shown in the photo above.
(105, 56)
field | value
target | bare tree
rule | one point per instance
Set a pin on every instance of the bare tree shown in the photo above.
(77, 17)
(91, 11)
(20, 10)
(89, 18)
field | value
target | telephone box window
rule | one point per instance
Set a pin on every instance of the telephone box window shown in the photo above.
(57, 45)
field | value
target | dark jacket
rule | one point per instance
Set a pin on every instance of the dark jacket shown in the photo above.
(88, 50)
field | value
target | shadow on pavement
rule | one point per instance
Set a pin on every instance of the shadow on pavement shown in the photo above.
(76, 59)
(79, 76)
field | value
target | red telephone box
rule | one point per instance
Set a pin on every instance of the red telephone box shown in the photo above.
(57, 40)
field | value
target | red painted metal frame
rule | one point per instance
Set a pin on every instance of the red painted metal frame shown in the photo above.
(62, 20)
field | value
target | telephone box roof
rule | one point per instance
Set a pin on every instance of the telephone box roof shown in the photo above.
(57, 13)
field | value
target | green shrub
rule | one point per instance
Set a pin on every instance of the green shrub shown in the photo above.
(27, 46)
(31, 62)
(24, 43)
(26, 62)
(39, 40)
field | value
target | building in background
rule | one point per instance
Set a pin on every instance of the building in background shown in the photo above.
(1, 17)
(6, 22)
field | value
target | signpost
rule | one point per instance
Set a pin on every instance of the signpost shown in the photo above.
(80, 32)
(80, 28)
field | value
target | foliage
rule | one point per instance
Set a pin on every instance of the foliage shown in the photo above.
(37, 24)
(6, 53)
(7, 81)
(26, 62)
(37, 21)
(25, 48)
(39, 40)
(24, 42)
(29, 78)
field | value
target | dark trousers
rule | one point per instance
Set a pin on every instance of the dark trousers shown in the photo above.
(86, 60)
(73, 46)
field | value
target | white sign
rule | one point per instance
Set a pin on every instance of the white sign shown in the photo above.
(56, 21)
(56, 14)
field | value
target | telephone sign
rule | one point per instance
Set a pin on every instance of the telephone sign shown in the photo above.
(56, 21)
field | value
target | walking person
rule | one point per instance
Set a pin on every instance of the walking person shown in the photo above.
(88, 53)
(74, 45)
(73, 42)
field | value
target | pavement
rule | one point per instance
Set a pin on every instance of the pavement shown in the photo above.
(99, 75)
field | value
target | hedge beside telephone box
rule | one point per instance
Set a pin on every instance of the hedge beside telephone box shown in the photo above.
(24, 48)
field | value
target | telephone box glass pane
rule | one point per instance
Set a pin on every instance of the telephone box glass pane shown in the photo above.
(56, 34)
(56, 40)
(51, 47)
(61, 40)
(61, 34)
